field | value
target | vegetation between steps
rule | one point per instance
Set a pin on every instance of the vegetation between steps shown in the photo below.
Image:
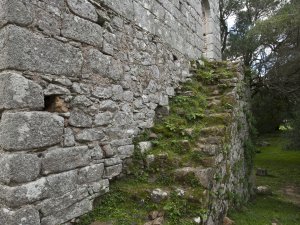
(173, 139)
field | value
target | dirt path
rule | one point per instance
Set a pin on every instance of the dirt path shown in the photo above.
(292, 193)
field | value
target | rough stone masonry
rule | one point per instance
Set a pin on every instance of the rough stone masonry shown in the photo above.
(79, 80)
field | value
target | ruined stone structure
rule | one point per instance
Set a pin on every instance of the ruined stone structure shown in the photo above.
(79, 80)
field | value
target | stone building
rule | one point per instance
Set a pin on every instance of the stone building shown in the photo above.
(79, 80)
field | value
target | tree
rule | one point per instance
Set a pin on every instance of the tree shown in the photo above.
(227, 9)
(240, 44)
(266, 37)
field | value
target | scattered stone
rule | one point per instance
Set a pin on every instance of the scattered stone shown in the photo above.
(263, 190)
(189, 131)
(263, 144)
(180, 192)
(153, 215)
(261, 172)
(228, 221)
(158, 221)
(198, 220)
(145, 146)
(153, 136)
(159, 195)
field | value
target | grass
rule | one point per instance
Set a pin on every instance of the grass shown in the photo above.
(267, 210)
(283, 169)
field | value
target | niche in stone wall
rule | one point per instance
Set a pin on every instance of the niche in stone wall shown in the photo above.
(55, 103)
(206, 15)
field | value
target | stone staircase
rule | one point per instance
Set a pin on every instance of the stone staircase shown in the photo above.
(191, 166)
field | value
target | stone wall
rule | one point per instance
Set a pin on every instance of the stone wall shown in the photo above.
(79, 79)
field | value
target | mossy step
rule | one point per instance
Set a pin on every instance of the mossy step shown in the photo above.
(214, 103)
(213, 130)
(213, 140)
(208, 149)
(204, 176)
(215, 97)
(217, 118)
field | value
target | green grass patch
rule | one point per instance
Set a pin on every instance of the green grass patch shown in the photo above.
(284, 169)
(267, 210)
(283, 165)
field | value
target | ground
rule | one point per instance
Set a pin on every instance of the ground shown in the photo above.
(283, 206)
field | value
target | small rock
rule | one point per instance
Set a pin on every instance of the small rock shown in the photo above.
(261, 172)
(153, 136)
(153, 215)
(161, 214)
(158, 195)
(189, 131)
(216, 92)
(145, 146)
(227, 221)
(263, 144)
(197, 220)
(263, 190)
(149, 159)
(180, 192)
(158, 221)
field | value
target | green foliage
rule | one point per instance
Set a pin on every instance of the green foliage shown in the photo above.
(269, 110)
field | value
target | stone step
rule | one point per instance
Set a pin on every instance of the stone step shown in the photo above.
(217, 118)
(208, 149)
(213, 130)
(214, 103)
(215, 97)
(213, 140)
(203, 175)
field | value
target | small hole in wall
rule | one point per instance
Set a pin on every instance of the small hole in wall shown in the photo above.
(55, 103)
(175, 58)
(101, 20)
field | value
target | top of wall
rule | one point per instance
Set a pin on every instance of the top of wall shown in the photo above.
(189, 26)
